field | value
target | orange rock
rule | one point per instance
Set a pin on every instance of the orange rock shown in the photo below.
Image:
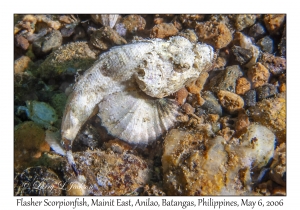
(21, 64)
(214, 33)
(181, 96)
(282, 88)
(230, 101)
(242, 86)
(242, 121)
(258, 75)
(196, 86)
(163, 30)
(274, 22)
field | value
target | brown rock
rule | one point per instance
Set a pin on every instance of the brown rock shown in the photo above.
(134, 23)
(22, 42)
(242, 121)
(214, 33)
(181, 96)
(242, 86)
(274, 22)
(163, 30)
(282, 88)
(190, 21)
(21, 64)
(272, 114)
(230, 101)
(189, 34)
(106, 37)
(196, 86)
(258, 75)
(275, 64)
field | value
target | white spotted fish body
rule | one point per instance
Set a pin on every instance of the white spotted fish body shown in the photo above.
(128, 85)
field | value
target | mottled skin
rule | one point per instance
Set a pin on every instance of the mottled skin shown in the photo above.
(159, 67)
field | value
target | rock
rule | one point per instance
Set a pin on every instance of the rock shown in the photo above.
(219, 64)
(242, 55)
(48, 19)
(245, 42)
(105, 19)
(189, 34)
(133, 24)
(181, 96)
(58, 102)
(266, 91)
(258, 75)
(272, 114)
(29, 143)
(266, 44)
(186, 170)
(45, 45)
(257, 31)
(214, 33)
(196, 86)
(243, 21)
(255, 147)
(282, 44)
(274, 22)
(40, 112)
(190, 21)
(226, 80)
(278, 165)
(37, 181)
(79, 34)
(21, 64)
(22, 42)
(250, 98)
(211, 104)
(230, 101)
(242, 122)
(242, 86)
(106, 37)
(109, 173)
(191, 157)
(163, 30)
(67, 60)
(275, 64)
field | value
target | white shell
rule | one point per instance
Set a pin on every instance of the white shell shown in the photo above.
(158, 67)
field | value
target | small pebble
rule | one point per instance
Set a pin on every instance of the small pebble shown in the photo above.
(243, 21)
(188, 109)
(266, 44)
(274, 22)
(242, 86)
(250, 98)
(258, 75)
(106, 37)
(275, 64)
(22, 42)
(46, 44)
(230, 101)
(242, 55)
(163, 30)
(133, 23)
(282, 44)
(226, 80)
(190, 21)
(214, 33)
(181, 96)
(266, 91)
(189, 34)
(257, 31)
(21, 64)
(211, 104)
